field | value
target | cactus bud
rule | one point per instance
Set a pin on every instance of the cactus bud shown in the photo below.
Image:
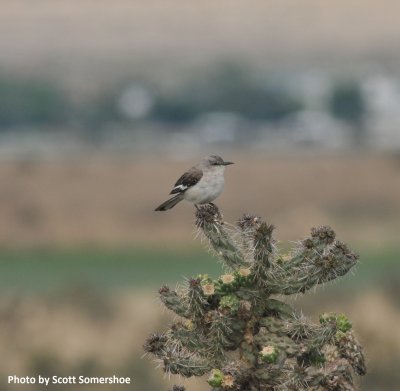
(323, 234)
(228, 382)
(155, 343)
(227, 283)
(269, 354)
(231, 302)
(208, 214)
(189, 325)
(216, 378)
(228, 279)
(244, 272)
(243, 276)
(248, 222)
(342, 322)
(208, 289)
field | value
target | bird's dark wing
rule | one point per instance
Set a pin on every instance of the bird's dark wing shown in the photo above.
(188, 179)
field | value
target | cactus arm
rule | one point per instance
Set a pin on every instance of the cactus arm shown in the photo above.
(209, 220)
(174, 302)
(317, 260)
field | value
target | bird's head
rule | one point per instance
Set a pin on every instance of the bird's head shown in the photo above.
(214, 161)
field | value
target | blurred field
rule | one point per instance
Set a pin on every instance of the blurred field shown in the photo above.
(88, 312)
(82, 41)
(87, 309)
(111, 201)
(45, 271)
(83, 253)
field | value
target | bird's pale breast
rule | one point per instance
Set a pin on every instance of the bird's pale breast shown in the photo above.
(208, 188)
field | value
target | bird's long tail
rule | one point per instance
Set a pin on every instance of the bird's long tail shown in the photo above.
(170, 203)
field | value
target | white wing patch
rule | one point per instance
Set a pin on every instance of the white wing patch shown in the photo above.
(180, 187)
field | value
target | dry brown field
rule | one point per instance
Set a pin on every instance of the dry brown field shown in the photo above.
(111, 201)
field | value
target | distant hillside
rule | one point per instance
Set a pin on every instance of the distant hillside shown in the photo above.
(83, 41)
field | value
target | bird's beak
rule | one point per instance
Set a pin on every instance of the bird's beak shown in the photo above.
(227, 163)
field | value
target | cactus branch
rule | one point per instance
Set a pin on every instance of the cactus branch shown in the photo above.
(209, 220)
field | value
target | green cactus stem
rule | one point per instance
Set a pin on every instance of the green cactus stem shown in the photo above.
(209, 219)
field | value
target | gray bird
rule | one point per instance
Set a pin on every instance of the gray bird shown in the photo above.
(201, 184)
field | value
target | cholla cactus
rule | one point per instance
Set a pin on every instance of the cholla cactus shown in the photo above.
(242, 339)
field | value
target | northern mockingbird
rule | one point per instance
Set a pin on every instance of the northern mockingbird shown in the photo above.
(201, 184)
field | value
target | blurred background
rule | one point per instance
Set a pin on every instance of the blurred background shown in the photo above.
(103, 105)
